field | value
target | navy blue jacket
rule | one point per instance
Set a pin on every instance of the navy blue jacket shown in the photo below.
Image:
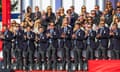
(29, 41)
(115, 40)
(104, 39)
(42, 43)
(8, 37)
(19, 38)
(78, 41)
(54, 38)
(90, 39)
(67, 40)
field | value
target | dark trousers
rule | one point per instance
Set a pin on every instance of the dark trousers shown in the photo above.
(61, 53)
(116, 54)
(67, 53)
(6, 56)
(19, 59)
(51, 53)
(102, 52)
(29, 56)
(41, 54)
(89, 53)
(77, 52)
(13, 50)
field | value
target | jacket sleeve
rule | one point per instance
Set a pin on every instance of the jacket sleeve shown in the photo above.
(9, 36)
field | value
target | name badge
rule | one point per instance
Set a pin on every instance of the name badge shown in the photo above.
(104, 31)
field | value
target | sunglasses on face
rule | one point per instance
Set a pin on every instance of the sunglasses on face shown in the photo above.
(108, 4)
(96, 8)
(92, 13)
(89, 27)
(51, 25)
(83, 8)
(89, 19)
(57, 13)
(49, 9)
(102, 23)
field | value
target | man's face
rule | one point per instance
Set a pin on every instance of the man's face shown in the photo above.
(118, 10)
(17, 27)
(96, 8)
(77, 26)
(40, 30)
(102, 23)
(89, 27)
(28, 29)
(114, 27)
(51, 26)
(118, 4)
(93, 13)
(72, 9)
(36, 9)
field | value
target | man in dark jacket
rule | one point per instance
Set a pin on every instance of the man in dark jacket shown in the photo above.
(42, 44)
(19, 39)
(90, 41)
(7, 45)
(103, 38)
(52, 36)
(115, 41)
(77, 41)
(29, 46)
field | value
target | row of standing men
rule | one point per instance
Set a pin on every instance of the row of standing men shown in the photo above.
(49, 42)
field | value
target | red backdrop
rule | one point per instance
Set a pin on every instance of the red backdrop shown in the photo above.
(5, 16)
(6, 12)
(104, 66)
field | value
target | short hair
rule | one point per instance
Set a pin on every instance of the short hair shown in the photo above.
(97, 5)
(36, 7)
(72, 7)
(115, 24)
(93, 11)
(41, 27)
(17, 25)
(28, 27)
(51, 22)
